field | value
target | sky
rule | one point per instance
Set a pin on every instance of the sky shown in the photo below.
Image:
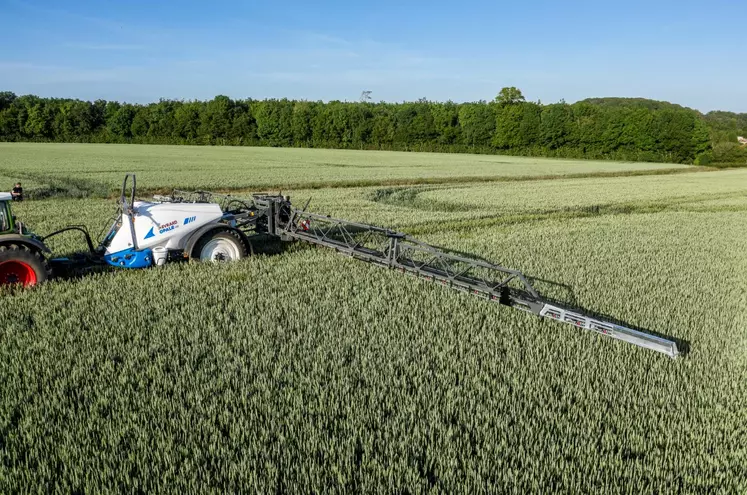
(687, 52)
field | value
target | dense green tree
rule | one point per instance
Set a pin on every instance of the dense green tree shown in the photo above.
(274, 121)
(700, 140)
(6, 99)
(509, 96)
(446, 122)
(38, 122)
(120, 122)
(302, 122)
(9, 118)
(729, 154)
(187, 121)
(413, 123)
(339, 124)
(531, 120)
(361, 119)
(587, 127)
(162, 120)
(555, 125)
(72, 120)
(215, 120)
(477, 121)
(517, 126)
(726, 126)
(244, 126)
(98, 115)
(140, 122)
(382, 128)
(507, 133)
(674, 132)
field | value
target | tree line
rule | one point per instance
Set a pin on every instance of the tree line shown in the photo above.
(725, 128)
(600, 129)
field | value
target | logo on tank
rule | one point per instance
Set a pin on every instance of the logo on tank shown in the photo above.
(167, 226)
(162, 229)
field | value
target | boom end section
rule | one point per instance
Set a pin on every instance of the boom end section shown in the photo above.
(619, 332)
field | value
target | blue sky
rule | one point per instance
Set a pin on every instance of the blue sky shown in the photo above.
(692, 53)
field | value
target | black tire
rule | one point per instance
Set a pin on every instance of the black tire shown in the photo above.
(229, 236)
(21, 265)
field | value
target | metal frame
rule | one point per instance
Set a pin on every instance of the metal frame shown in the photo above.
(396, 250)
(273, 214)
(127, 207)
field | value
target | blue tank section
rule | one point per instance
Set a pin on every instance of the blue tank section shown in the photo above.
(129, 258)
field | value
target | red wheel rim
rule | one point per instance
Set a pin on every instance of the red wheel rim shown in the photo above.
(17, 272)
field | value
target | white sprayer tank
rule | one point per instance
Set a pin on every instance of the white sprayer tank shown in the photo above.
(166, 225)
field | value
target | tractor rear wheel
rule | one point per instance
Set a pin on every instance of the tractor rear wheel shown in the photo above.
(20, 265)
(220, 245)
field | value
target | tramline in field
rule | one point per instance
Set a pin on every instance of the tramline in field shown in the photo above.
(211, 227)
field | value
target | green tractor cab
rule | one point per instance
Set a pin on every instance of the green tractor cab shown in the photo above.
(22, 254)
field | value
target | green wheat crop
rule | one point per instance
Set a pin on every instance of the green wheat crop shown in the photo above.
(306, 371)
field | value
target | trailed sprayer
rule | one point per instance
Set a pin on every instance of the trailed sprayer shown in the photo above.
(207, 226)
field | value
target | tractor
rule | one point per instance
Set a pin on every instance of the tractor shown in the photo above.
(23, 255)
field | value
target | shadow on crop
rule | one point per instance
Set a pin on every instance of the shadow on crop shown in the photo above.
(564, 295)
(569, 302)
(551, 292)
(81, 264)
(264, 244)
(54, 186)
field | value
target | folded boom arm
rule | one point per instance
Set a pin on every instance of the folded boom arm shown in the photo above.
(398, 251)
